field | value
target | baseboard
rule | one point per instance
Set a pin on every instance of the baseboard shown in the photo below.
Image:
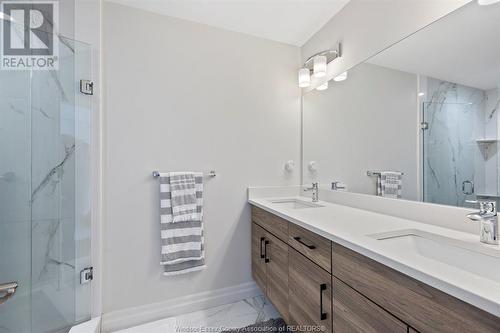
(146, 313)
(91, 326)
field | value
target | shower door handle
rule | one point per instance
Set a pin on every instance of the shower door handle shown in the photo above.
(7, 290)
(471, 187)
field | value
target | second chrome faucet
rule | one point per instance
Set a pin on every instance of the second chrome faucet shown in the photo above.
(488, 218)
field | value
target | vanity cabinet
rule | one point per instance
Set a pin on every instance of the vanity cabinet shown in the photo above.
(315, 283)
(310, 290)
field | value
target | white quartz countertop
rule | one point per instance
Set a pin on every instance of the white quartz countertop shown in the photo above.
(352, 227)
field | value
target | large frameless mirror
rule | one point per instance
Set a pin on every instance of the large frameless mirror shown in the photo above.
(418, 121)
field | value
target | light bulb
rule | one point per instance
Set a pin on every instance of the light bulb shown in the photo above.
(304, 78)
(340, 77)
(319, 67)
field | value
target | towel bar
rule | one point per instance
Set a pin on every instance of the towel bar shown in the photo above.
(211, 173)
(375, 173)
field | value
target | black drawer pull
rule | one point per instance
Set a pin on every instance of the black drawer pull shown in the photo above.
(266, 243)
(322, 288)
(310, 247)
(261, 253)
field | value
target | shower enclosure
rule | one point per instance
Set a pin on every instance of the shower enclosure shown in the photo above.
(45, 127)
(459, 133)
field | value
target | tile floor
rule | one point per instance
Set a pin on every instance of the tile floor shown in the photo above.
(217, 319)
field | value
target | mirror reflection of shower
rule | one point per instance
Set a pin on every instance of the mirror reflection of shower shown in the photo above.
(459, 142)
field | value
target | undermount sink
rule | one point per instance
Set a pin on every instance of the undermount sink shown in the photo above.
(472, 258)
(295, 203)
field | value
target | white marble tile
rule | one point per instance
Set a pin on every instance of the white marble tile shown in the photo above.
(233, 315)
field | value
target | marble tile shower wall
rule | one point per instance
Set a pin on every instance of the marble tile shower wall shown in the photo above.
(457, 116)
(37, 195)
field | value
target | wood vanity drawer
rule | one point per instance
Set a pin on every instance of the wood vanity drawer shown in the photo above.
(419, 305)
(316, 248)
(272, 223)
(352, 312)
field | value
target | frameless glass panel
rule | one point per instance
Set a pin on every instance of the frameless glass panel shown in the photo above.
(53, 196)
(60, 179)
(45, 193)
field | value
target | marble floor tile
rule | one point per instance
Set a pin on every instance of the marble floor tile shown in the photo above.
(234, 315)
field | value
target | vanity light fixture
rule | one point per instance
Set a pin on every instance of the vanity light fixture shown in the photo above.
(340, 77)
(317, 65)
(304, 77)
(487, 2)
(324, 86)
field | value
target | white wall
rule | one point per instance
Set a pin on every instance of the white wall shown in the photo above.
(185, 96)
(367, 122)
(366, 27)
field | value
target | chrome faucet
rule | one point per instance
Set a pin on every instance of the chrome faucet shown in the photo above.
(338, 186)
(314, 189)
(487, 216)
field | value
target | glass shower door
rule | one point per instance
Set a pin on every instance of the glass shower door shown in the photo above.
(45, 193)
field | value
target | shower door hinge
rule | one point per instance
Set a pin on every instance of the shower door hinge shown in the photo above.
(86, 275)
(424, 126)
(87, 87)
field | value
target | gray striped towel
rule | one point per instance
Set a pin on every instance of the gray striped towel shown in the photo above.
(183, 189)
(182, 248)
(390, 184)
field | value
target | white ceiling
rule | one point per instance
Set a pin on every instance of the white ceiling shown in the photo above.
(462, 48)
(288, 21)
